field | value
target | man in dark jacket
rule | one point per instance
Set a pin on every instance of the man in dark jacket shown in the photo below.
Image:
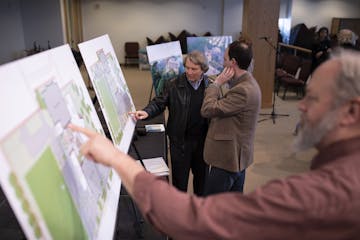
(186, 128)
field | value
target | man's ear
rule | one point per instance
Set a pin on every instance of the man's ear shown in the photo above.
(233, 61)
(352, 112)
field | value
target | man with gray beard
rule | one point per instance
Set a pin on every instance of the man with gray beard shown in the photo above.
(321, 204)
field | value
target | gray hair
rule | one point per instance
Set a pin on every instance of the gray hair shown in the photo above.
(347, 81)
(197, 58)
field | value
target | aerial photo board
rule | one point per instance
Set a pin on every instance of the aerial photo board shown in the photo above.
(166, 63)
(54, 191)
(111, 89)
(213, 49)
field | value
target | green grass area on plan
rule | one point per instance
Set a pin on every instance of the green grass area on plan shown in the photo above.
(53, 198)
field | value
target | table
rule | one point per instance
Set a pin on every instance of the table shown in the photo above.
(149, 144)
(129, 223)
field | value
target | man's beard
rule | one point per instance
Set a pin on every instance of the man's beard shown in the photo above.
(310, 136)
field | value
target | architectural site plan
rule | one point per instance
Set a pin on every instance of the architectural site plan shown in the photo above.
(55, 192)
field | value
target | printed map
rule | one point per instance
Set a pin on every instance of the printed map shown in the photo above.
(111, 89)
(49, 184)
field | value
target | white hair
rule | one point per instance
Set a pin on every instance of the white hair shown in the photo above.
(346, 87)
(347, 82)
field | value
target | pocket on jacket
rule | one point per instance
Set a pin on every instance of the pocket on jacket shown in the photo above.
(221, 152)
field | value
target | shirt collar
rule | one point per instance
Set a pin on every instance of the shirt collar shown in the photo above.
(235, 81)
(196, 84)
(334, 151)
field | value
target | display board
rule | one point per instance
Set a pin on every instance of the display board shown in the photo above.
(54, 191)
(165, 63)
(111, 89)
(213, 49)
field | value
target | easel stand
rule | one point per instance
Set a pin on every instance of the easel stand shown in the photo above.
(273, 115)
(138, 219)
(151, 92)
(136, 150)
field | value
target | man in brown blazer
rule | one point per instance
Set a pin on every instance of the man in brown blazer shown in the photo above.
(230, 139)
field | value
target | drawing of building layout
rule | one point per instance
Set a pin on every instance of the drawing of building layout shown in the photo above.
(111, 89)
(55, 192)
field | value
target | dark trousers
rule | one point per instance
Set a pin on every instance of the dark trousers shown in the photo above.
(186, 155)
(219, 180)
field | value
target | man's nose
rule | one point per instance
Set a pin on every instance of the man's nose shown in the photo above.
(301, 105)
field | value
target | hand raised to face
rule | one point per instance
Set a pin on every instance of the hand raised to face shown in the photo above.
(227, 74)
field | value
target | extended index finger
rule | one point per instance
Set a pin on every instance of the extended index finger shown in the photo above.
(86, 132)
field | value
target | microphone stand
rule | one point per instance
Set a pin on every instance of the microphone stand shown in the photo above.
(272, 115)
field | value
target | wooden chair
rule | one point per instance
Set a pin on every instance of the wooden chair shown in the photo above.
(131, 52)
(299, 83)
(288, 66)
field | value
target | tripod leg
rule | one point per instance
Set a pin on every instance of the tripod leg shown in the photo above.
(151, 92)
(138, 221)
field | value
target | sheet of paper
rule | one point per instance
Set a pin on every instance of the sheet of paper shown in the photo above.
(48, 183)
(155, 128)
(156, 166)
(111, 89)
